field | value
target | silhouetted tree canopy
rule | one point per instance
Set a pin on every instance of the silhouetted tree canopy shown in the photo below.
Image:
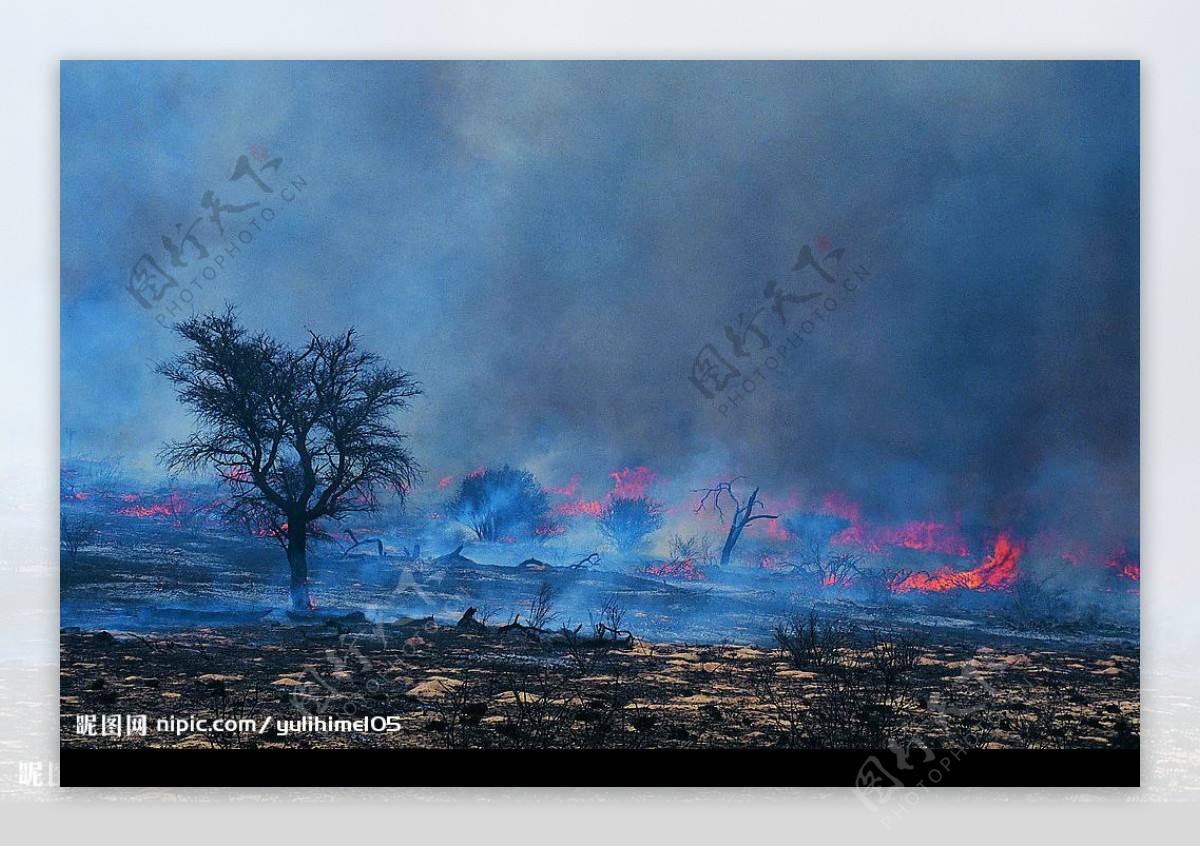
(297, 434)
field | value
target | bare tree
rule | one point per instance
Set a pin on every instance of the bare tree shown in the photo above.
(742, 514)
(297, 435)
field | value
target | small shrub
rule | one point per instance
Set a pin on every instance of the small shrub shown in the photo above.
(77, 532)
(694, 548)
(501, 503)
(541, 607)
(626, 521)
(811, 642)
(1032, 604)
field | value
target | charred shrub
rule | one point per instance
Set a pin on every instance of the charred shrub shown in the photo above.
(460, 712)
(850, 708)
(77, 532)
(786, 703)
(540, 610)
(626, 521)
(1031, 603)
(612, 616)
(501, 503)
(876, 584)
(694, 548)
(893, 656)
(861, 693)
(839, 570)
(587, 650)
(811, 642)
(539, 708)
(236, 711)
(812, 532)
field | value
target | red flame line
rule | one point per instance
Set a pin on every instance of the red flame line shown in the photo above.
(998, 571)
(684, 569)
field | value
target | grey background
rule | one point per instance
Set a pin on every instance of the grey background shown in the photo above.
(35, 38)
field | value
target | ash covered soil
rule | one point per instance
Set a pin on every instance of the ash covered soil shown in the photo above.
(448, 687)
(191, 627)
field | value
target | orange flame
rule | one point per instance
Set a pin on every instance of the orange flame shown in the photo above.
(175, 506)
(1126, 565)
(267, 531)
(998, 571)
(569, 489)
(843, 507)
(774, 563)
(579, 507)
(776, 530)
(632, 482)
(929, 536)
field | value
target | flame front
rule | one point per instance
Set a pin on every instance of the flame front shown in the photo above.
(1127, 565)
(998, 571)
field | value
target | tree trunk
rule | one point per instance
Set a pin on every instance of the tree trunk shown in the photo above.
(727, 551)
(741, 517)
(297, 538)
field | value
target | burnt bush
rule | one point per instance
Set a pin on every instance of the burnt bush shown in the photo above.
(852, 706)
(77, 532)
(786, 703)
(893, 655)
(626, 521)
(540, 610)
(876, 584)
(460, 712)
(811, 642)
(811, 532)
(1032, 603)
(862, 691)
(693, 548)
(501, 504)
(588, 649)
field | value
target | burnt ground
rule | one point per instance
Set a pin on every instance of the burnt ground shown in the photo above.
(452, 688)
(187, 625)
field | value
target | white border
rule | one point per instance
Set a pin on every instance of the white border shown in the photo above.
(35, 36)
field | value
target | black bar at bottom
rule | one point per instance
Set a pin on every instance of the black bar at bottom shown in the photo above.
(683, 768)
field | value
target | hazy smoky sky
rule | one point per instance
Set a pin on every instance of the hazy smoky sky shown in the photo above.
(547, 246)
